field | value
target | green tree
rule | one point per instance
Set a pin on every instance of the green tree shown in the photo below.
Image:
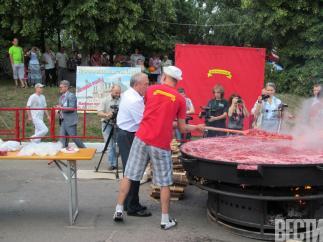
(294, 28)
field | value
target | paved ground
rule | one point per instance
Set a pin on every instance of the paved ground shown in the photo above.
(34, 207)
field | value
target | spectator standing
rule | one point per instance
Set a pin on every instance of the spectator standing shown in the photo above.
(189, 110)
(26, 64)
(257, 116)
(155, 67)
(105, 59)
(270, 109)
(16, 56)
(237, 112)
(38, 100)
(34, 73)
(61, 60)
(96, 59)
(135, 57)
(317, 89)
(166, 61)
(106, 113)
(218, 108)
(50, 70)
(68, 115)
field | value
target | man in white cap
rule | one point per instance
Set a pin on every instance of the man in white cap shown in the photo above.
(152, 141)
(38, 100)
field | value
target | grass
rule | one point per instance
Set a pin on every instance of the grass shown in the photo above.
(12, 97)
(17, 97)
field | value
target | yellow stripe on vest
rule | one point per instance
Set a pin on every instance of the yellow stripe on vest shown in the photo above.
(160, 92)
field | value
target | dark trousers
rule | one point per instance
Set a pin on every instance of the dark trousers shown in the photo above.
(125, 139)
(51, 78)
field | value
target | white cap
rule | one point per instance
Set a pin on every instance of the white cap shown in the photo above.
(173, 72)
(39, 85)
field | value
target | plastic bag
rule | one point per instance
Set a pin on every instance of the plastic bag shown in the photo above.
(27, 150)
(41, 149)
(10, 146)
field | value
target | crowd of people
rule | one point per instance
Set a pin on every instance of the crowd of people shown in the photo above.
(31, 66)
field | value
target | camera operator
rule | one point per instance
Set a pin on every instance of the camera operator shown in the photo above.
(257, 115)
(108, 112)
(129, 117)
(270, 108)
(189, 110)
(237, 112)
(215, 113)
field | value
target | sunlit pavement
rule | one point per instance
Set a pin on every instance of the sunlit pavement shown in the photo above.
(34, 207)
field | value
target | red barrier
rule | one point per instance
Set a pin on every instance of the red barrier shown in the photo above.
(18, 133)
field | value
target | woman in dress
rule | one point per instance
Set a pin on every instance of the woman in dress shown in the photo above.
(270, 109)
(34, 67)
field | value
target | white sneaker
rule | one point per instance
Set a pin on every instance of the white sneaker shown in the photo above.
(172, 223)
(118, 216)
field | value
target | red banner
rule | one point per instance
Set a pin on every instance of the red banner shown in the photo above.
(238, 69)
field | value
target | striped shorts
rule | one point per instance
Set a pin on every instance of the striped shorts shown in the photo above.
(160, 159)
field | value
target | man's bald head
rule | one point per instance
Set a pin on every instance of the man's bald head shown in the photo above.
(116, 91)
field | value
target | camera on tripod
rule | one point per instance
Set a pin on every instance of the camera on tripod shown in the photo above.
(113, 119)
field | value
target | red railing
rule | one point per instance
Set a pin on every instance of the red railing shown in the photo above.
(18, 133)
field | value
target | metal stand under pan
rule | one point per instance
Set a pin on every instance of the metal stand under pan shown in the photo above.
(250, 215)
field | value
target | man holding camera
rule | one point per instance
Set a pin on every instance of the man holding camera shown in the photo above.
(107, 110)
(129, 117)
(152, 140)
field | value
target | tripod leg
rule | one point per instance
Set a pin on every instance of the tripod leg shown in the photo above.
(117, 152)
(104, 149)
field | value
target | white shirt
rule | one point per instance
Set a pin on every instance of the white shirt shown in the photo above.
(131, 110)
(50, 60)
(61, 59)
(270, 111)
(37, 101)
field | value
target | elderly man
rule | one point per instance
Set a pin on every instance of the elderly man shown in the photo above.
(106, 112)
(68, 115)
(129, 117)
(163, 105)
(38, 100)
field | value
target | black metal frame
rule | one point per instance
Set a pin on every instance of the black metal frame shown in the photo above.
(265, 175)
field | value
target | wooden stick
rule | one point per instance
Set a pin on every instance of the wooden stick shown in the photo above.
(226, 130)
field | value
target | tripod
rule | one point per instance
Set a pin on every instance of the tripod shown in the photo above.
(112, 134)
(281, 110)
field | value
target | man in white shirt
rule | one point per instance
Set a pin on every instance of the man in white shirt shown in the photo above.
(50, 70)
(61, 60)
(130, 114)
(38, 100)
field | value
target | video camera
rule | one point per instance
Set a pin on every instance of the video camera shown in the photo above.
(206, 113)
(264, 97)
(114, 109)
(113, 119)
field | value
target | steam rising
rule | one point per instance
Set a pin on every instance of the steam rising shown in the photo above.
(308, 129)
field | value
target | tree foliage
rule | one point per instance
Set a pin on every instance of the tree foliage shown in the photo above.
(293, 28)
